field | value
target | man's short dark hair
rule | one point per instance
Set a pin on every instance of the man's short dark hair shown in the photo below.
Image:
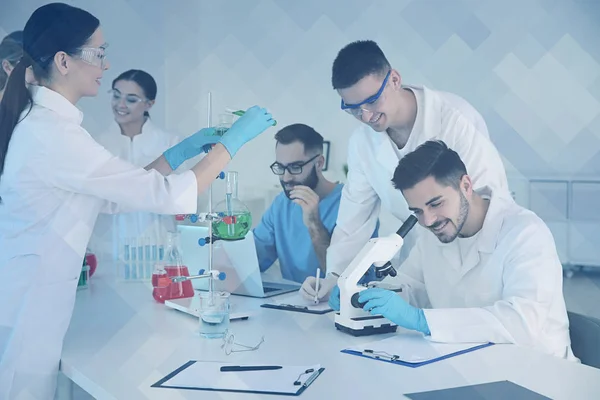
(357, 60)
(311, 139)
(432, 158)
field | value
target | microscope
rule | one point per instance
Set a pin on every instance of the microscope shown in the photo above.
(378, 252)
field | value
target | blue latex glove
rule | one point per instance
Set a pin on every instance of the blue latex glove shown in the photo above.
(255, 121)
(190, 147)
(334, 298)
(395, 308)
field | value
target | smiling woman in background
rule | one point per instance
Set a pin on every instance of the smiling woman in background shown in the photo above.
(55, 179)
(134, 137)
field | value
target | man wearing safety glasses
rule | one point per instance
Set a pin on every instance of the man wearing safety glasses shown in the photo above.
(296, 228)
(396, 120)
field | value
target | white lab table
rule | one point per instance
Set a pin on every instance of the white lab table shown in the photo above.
(121, 341)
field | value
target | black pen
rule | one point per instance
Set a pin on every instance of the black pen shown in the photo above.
(238, 368)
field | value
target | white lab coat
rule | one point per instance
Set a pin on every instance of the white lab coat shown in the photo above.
(373, 158)
(113, 230)
(504, 285)
(56, 180)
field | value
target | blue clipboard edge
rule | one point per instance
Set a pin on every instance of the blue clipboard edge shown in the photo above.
(294, 309)
(160, 384)
(419, 364)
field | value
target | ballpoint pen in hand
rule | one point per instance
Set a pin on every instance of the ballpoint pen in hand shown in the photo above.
(317, 286)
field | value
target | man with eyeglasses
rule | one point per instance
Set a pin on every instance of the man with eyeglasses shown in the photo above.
(296, 228)
(396, 119)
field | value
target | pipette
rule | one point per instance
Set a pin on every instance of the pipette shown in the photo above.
(230, 227)
(239, 113)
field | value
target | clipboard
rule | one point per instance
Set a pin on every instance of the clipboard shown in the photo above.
(299, 377)
(296, 308)
(390, 350)
(296, 303)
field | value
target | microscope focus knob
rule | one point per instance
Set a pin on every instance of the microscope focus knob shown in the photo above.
(354, 301)
(385, 270)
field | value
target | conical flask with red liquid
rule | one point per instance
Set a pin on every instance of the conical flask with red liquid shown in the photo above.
(171, 266)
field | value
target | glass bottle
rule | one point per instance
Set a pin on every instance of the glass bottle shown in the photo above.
(237, 227)
(170, 266)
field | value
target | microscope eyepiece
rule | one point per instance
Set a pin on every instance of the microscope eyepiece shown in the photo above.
(407, 226)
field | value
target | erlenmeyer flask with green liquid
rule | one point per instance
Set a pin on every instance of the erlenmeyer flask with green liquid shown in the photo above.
(237, 227)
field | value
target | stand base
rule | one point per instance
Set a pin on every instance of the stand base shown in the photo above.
(367, 330)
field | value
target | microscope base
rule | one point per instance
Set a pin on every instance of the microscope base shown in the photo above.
(367, 330)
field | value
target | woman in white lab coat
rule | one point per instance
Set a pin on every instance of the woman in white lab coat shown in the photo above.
(55, 179)
(134, 137)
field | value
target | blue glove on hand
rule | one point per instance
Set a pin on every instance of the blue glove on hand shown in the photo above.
(255, 121)
(395, 308)
(191, 147)
(334, 298)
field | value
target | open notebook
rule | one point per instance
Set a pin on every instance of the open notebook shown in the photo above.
(412, 350)
(207, 375)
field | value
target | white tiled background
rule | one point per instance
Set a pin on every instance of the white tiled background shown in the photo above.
(531, 67)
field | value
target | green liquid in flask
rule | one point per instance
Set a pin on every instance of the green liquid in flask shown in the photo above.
(243, 223)
(219, 131)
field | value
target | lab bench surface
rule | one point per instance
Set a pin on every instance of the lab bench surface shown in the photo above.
(121, 341)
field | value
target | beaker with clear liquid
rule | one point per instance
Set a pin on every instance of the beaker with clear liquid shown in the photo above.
(232, 207)
(225, 122)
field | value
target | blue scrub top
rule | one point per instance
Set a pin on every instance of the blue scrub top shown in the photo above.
(282, 235)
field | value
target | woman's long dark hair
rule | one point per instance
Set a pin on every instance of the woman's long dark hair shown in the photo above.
(51, 28)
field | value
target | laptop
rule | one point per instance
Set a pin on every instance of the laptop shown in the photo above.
(237, 259)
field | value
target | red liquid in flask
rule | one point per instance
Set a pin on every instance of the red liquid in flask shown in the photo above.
(164, 289)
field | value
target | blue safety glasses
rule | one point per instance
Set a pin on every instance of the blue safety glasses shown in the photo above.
(357, 109)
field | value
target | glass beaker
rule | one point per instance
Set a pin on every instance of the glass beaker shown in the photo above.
(225, 122)
(214, 314)
(237, 227)
(172, 265)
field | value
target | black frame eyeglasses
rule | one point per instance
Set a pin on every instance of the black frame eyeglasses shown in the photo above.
(293, 168)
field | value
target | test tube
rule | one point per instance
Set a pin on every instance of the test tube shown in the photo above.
(147, 249)
(126, 257)
(147, 258)
(155, 248)
(140, 249)
(230, 185)
(133, 247)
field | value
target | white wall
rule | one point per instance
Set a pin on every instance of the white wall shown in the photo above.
(134, 30)
(532, 68)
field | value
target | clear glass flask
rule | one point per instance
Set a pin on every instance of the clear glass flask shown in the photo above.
(172, 265)
(237, 227)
